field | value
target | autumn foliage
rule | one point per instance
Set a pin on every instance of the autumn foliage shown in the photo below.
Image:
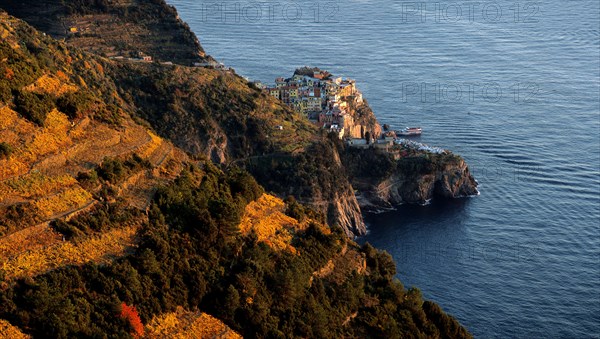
(267, 219)
(9, 331)
(188, 324)
(98, 248)
(130, 314)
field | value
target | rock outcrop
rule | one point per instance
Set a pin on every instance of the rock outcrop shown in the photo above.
(363, 122)
(345, 210)
(315, 177)
(384, 182)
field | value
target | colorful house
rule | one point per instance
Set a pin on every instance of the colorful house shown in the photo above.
(274, 92)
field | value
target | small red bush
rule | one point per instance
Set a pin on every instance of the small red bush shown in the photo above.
(130, 314)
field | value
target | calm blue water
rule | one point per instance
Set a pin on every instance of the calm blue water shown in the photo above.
(511, 86)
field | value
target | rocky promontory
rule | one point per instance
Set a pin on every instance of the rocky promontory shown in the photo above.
(385, 179)
(363, 123)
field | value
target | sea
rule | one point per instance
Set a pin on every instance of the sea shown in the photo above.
(514, 88)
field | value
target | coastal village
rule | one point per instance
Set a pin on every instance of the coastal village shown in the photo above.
(319, 97)
(328, 102)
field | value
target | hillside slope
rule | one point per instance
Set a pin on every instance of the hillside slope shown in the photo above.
(221, 116)
(114, 28)
(116, 226)
(58, 130)
(192, 254)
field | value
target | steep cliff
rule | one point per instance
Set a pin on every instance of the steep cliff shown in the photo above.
(385, 179)
(346, 212)
(363, 121)
(315, 176)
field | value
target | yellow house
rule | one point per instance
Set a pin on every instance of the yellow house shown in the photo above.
(300, 106)
(314, 104)
(280, 82)
(274, 92)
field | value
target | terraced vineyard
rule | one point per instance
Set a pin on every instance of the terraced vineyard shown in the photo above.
(9, 331)
(97, 248)
(29, 239)
(187, 324)
(43, 169)
(267, 219)
(41, 179)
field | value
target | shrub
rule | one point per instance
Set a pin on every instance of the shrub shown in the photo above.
(101, 219)
(112, 170)
(75, 105)
(130, 314)
(115, 170)
(5, 150)
(109, 114)
(33, 107)
(136, 162)
(294, 209)
(87, 6)
(88, 179)
(5, 93)
(16, 217)
(244, 185)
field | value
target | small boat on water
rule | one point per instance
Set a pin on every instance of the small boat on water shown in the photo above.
(410, 131)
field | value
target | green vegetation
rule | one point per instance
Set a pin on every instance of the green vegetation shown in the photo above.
(191, 255)
(75, 105)
(33, 107)
(426, 163)
(5, 92)
(214, 106)
(115, 170)
(100, 220)
(5, 150)
(88, 180)
(367, 163)
(87, 6)
(311, 175)
(21, 68)
(15, 217)
(371, 165)
(301, 212)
